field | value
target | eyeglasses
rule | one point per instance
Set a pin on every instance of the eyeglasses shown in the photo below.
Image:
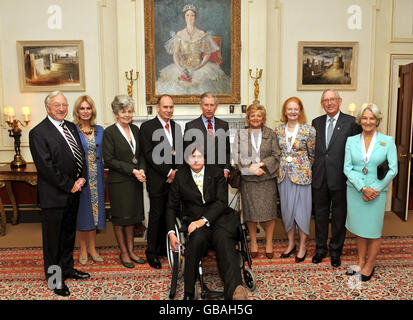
(329, 100)
(57, 105)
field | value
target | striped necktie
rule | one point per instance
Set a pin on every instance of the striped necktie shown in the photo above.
(75, 148)
(210, 129)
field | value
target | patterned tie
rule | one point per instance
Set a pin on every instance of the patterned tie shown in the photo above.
(200, 184)
(210, 129)
(330, 130)
(73, 145)
(167, 127)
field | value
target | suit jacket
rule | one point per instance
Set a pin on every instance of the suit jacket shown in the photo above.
(184, 190)
(384, 148)
(157, 173)
(302, 152)
(329, 162)
(118, 155)
(55, 163)
(221, 135)
(269, 154)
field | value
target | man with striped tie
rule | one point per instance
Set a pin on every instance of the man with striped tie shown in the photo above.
(61, 169)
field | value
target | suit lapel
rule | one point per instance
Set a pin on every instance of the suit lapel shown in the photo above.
(191, 182)
(59, 138)
(207, 184)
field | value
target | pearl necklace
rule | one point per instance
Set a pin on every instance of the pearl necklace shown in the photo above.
(84, 132)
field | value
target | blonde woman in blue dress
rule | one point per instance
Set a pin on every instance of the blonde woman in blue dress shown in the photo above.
(366, 194)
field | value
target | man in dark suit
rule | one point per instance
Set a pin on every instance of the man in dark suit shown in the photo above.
(61, 169)
(161, 142)
(329, 181)
(212, 132)
(201, 191)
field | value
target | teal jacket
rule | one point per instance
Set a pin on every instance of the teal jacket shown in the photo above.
(384, 148)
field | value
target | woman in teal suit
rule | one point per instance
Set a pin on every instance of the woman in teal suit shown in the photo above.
(366, 194)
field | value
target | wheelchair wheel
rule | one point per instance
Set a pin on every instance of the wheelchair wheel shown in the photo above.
(249, 279)
(170, 252)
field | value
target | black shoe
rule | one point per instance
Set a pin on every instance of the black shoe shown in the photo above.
(76, 274)
(63, 291)
(335, 262)
(288, 254)
(367, 278)
(318, 258)
(189, 296)
(139, 260)
(210, 294)
(155, 263)
(298, 260)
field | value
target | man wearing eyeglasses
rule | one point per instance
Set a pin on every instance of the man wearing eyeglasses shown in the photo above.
(61, 174)
(329, 181)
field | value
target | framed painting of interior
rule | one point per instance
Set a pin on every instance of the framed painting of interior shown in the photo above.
(51, 65)
(192, 47)
(402, 21)
(327, 65)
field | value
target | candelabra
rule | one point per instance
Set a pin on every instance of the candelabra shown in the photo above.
(258, 75)
(131, 79)
(16, 133)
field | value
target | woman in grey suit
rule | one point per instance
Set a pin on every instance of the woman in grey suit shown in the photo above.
(258, 155)
(123, 157)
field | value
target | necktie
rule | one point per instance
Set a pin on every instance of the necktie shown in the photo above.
(200, 184)
(167, 127)
(330, 130)
(75, 148)
(210, 129)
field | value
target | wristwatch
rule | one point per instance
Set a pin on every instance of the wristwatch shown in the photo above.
(206, 221)
(362, 189)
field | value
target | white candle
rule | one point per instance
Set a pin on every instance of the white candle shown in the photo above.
(6, 112)
(26, 113)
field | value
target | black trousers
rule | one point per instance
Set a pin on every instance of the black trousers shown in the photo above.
(325, 199)
(59, 233)
(223, 242)
(156, 233)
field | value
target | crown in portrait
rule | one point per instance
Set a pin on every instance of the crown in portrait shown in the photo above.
(190, 7)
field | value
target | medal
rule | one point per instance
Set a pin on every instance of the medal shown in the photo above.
(173, 152)
(289, 159)
(134, 160)
(365, 171)
(257, 159)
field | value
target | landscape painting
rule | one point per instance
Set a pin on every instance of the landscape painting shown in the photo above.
(51, 65)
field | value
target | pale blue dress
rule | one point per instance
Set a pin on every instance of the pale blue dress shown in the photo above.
(365, 218)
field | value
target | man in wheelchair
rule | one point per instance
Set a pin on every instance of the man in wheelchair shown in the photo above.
(201, 191)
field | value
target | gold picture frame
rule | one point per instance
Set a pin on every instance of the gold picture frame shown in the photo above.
(327, 65)
(171, 19)
(51, 65)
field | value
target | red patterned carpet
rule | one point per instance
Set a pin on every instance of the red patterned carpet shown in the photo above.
(21, 276)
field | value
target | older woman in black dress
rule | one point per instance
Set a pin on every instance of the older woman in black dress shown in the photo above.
(123, 157)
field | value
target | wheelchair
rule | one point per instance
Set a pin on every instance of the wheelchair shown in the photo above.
(176, 260)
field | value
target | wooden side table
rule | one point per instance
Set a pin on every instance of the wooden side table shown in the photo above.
(7, 176)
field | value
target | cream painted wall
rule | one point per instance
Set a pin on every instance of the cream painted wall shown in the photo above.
(28, 20)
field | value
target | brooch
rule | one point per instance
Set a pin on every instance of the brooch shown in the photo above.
(383, 143)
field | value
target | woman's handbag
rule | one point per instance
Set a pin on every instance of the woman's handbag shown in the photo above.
(234, 177)
(382, 169)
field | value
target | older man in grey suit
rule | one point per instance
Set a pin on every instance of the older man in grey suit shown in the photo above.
(329, 181)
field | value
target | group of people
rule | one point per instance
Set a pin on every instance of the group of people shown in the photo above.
(330, 166)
